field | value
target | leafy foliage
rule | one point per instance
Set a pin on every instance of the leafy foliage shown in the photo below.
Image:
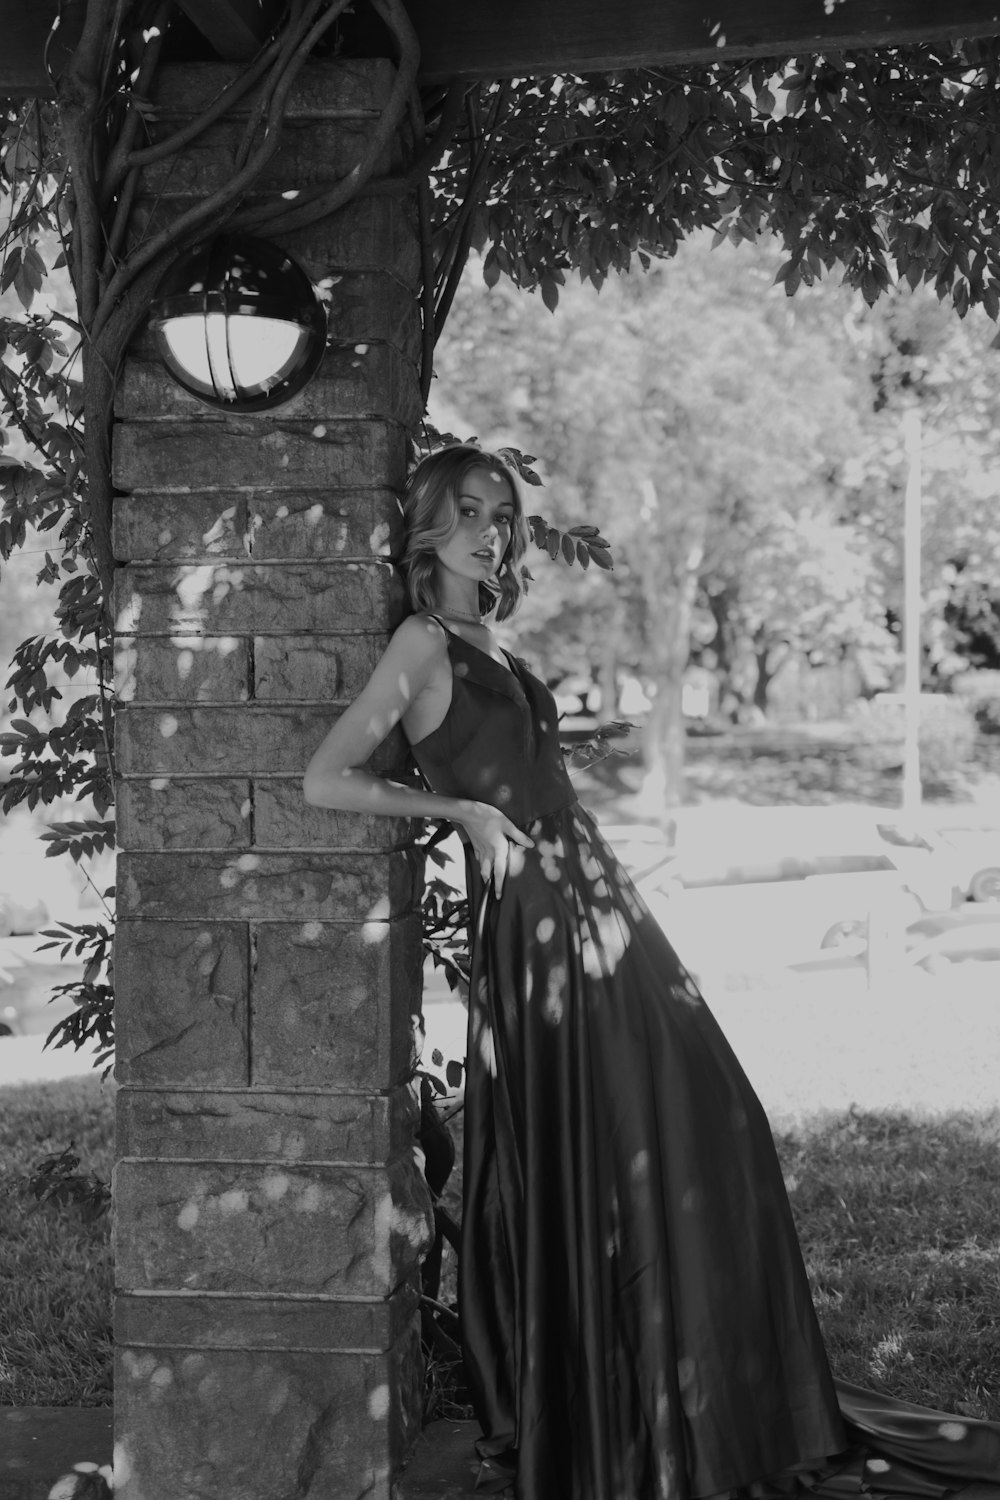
(57, 1179)
(879, 162)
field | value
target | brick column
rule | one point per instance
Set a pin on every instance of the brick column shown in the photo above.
(269, 1214)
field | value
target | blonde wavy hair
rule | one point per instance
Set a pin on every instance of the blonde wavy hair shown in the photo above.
(430, 515)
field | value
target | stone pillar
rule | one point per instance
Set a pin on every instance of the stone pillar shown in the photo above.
(269, 1213)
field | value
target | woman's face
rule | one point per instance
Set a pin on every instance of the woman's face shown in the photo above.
(486, 511)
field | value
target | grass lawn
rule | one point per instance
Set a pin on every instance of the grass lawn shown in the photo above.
(55, 1269)
(899, 1221)
(900, 1226)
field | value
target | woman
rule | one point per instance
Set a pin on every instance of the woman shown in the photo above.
(636, 1316)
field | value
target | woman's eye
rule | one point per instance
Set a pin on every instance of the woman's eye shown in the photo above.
(504, 521)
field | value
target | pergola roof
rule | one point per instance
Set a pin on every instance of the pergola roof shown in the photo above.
(517, 38)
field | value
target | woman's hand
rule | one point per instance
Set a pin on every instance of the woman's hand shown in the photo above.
(492, 836)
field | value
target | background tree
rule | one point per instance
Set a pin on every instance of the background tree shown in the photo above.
(702, 423)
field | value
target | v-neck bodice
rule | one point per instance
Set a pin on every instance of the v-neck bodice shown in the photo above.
(499, 740)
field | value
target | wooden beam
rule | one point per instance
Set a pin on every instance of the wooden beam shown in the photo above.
(521, 38)
(235, 28)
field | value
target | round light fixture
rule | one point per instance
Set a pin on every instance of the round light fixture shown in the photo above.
(238, 324)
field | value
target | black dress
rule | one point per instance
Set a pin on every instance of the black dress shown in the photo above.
(636, 1318)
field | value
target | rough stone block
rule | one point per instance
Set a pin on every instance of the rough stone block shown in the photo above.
(313, 153)
(257, 524)
(372, 380)
(244, 1227)
(227, 1424)
(317, 523)
(320, 669)
(186, 1017)
(165, 813)
(240, 452)
(266, 1125)
(336, 89)
(303, 887)
(372, 233)
(184, 669)
(255, 739)
(229, 599)
(369, 1326)
(334, 1004)
(163, 527)
(284, 820)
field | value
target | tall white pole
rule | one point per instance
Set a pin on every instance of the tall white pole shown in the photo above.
(912, 436)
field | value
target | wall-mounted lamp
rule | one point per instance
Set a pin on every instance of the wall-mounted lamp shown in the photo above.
(238, 324)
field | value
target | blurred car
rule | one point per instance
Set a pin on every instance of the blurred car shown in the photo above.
(975, 856)
(967, 935)
(784, 882)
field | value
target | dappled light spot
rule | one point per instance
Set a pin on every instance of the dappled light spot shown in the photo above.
(604, 947)
(126, 660)
(953, 1431)
(503, 795)
(555, 995)
(236, 1201)
(545, 929)
(877, 1466)
(309, 1199)
(168, 726)
(188, 1216)
(550, 853)
(139, 1366)
(378, 1403)
(379, 912)
(373, 932)
(638, 1167)
(460, 669)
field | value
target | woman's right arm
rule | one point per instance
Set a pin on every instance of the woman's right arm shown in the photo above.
(335, 777)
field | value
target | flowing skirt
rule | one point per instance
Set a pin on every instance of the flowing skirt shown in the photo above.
(636, 1317)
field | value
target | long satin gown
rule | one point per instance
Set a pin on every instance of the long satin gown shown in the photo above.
(636, 1318)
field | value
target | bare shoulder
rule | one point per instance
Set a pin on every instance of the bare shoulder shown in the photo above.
(419, 640)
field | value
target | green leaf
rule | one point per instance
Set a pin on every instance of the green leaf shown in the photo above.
(11, 268)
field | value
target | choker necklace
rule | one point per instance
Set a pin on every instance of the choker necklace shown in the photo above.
(454, 614)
